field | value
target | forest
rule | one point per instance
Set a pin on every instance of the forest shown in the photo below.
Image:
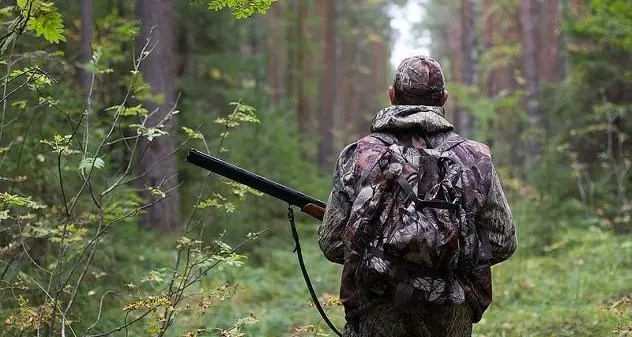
(106, 230)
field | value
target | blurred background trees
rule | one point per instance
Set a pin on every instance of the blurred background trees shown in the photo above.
(544, 82)
(102, 99)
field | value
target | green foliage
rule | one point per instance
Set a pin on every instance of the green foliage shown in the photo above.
(592, 138)
(568, 290)
(241, 9)
(608, 24)
(71, 253)
(43, 19)
(65, 257)
(488, 111)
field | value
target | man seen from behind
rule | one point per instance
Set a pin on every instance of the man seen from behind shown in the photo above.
(417, 216)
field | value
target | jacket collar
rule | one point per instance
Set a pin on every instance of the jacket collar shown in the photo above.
(418, 118)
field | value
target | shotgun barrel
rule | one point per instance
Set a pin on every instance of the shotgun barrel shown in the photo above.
(307, 204)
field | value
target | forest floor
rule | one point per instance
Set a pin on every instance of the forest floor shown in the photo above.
(578, 287)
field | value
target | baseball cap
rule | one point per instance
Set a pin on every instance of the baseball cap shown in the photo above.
(419, 78)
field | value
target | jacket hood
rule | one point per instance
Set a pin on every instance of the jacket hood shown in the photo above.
(419, 118)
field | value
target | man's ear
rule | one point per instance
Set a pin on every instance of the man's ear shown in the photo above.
(444, 98)
(391, 95)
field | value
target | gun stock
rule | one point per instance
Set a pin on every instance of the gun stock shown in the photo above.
(307, 204)
(316, 211)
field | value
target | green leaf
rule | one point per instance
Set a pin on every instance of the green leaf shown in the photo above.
(87, 163)
(16, 200)
(192, 133)
(20, 104)
(48, 24)
(156, 192)
(150, 133)
(240, 190)
(241, 9)
(135, 111)
(34, 75)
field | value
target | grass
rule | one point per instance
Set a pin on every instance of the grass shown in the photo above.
(569, 291)
(577, 287)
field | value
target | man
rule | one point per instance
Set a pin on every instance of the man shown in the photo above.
(417, 118)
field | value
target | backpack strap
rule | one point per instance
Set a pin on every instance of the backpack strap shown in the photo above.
(451, 141)
(424, 203)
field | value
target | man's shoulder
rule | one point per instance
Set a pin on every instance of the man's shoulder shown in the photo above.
(363, 152)
(345, 158)
(476, 148)
(348, 150)
(474, 154)
(367, 142)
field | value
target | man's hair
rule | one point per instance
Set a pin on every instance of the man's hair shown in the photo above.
(419, 81)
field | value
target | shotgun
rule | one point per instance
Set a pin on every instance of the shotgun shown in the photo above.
(307, 204)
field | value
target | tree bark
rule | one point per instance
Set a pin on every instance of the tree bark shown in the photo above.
(470, 56)
(562, 43)
(328, 86)
(380, 63)
(276, 52)
(302, 107)
(530, 59)
(156, 164)
(549, 58)
(455, 55)
(512, 129)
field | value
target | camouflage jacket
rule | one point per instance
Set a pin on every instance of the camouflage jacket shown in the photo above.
(487, 202)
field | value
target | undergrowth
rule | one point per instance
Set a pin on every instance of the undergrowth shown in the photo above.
(579, 286)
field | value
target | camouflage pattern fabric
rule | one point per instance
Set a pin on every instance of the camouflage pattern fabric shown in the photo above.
(486, 206)
(419, 79)
(398, 241)
(421, 320)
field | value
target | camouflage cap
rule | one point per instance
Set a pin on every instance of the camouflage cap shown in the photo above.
(419, 78)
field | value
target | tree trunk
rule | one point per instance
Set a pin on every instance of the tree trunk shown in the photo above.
(489, 82)
(302, 107)
(470, 56)
(530, 59)
(511, 128)
(489, 30)
(549, 58)
(86, 47)
(156, 163)
(328, 86)
(380, 62)
(356, 93)
(276, 52)
(562, 8)
(455, 54)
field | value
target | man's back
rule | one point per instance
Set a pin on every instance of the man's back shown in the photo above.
(371, 313)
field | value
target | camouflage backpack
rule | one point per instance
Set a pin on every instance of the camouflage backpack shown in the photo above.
(408, 220)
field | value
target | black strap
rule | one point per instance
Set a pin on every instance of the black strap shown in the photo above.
(441, 204)
(299, 254)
